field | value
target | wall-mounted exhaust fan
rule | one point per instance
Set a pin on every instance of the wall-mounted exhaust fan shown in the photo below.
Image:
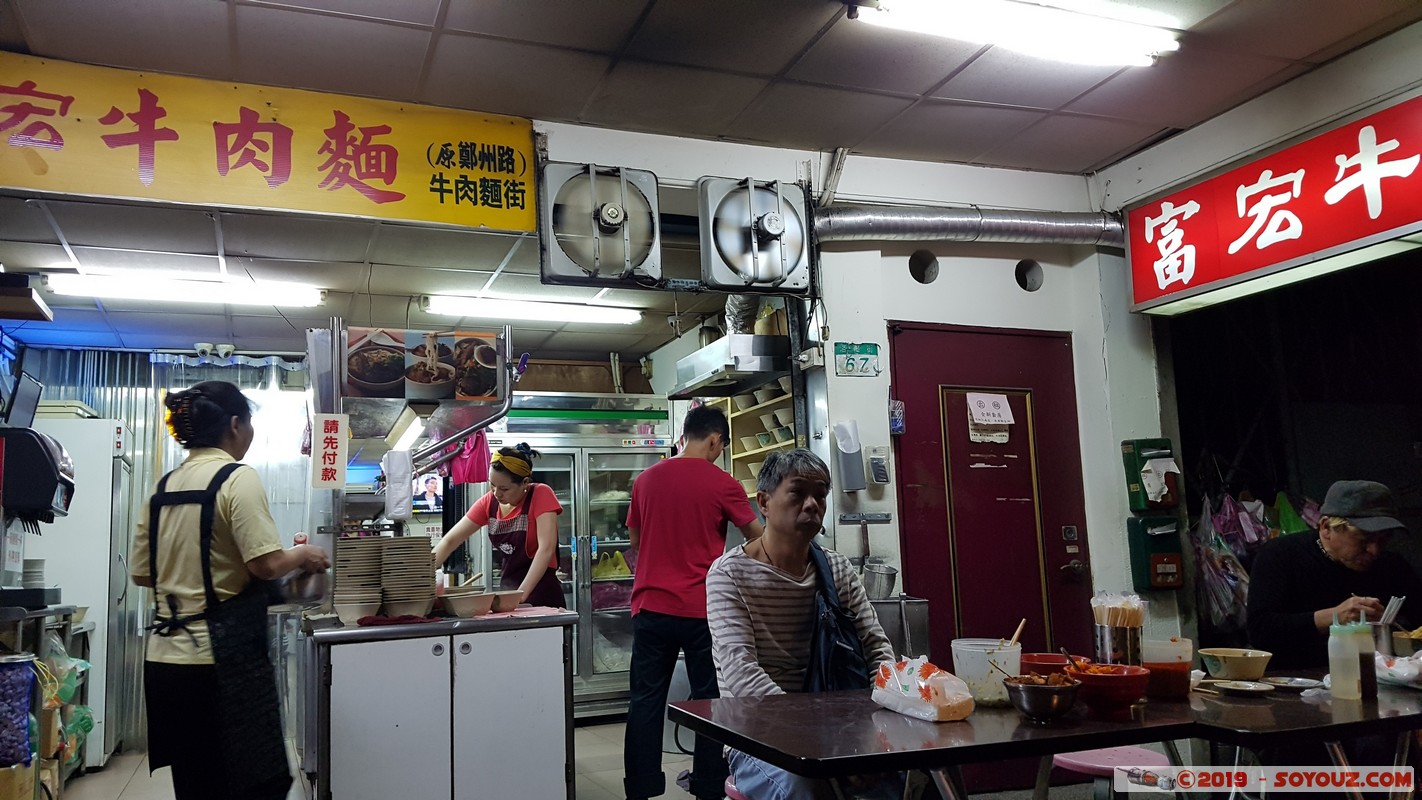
(754, 235)
(599, 225)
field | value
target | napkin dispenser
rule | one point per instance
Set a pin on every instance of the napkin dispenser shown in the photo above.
(39, 484)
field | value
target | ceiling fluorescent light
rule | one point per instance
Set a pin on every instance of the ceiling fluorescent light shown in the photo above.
(237, 293)
(1036, 30)
(412, 433)
(501, 309)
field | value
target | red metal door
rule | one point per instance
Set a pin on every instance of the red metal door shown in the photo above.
(992, 532)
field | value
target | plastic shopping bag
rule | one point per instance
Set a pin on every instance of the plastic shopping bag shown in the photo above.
(917, 688)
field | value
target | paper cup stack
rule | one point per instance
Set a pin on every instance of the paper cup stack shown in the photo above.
(407, 576)
(33, 575)
(358, 568)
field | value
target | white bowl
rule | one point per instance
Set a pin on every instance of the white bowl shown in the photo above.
(469, 605)
(766, 395)
(409, 608)
(754, 467)
(744, 401)
(749, 443)
(437, 390)
(784, 384)
(784, 434)
(785, 416)
(351, 613)
(506, 600)
(748, 485)
(768, 420)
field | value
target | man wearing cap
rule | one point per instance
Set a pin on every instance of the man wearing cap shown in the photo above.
(1300, 582)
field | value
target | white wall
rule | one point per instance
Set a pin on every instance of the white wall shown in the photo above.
(865, 285)
(1382, 73)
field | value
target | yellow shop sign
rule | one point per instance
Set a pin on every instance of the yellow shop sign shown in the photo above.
(76, 129)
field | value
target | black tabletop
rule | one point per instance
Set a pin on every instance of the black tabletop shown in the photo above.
(837, 734)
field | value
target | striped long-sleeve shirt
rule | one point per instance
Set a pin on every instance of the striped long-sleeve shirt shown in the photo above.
(762, 622)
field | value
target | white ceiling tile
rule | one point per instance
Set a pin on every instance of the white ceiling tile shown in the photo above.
(1076, 143)
(1178, 92)
(529, 287)
(42, 335)
(1009, 78)
(592, 342)
(28, 257)
(80, 319)
(387, 279)
(602, 26)
(858, 55)
(669, 99)
(796, 110)
(244, 327)
(285, 236)
(1175, 14)
(329, 275)
(24, 221)
(948, 131)
(766, 36)
(173, 230)
(140, 260)
(187, 37)
(330, 54)
(192, 327)
(420, 12)
(1292, 29)
(521, 80)
(436, 247)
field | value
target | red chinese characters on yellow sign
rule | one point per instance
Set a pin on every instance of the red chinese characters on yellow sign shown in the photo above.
(77, 129)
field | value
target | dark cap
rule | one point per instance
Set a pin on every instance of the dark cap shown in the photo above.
(1366, 504)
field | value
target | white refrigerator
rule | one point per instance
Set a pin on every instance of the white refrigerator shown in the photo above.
(86, 555)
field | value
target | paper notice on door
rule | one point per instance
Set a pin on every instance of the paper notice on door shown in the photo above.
(989, 409)
(990, 434)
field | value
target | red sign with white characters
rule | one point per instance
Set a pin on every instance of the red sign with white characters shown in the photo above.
(1350, 186)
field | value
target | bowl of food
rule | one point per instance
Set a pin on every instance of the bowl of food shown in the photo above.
(469, 604)
(476, 365)
(507, 600)
(1109, 688)
(1047, 663)
(1235, 663)
(424, 383)
(376, 369)
(1042, 699)
(443, 353)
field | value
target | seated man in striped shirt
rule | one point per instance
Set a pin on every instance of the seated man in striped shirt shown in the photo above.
(760, 601)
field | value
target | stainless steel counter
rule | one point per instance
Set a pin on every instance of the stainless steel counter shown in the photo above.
(329, 632)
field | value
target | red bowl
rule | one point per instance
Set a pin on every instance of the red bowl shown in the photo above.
(1113, 691)
(1047, 663)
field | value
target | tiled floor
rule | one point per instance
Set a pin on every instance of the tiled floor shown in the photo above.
(597, 751)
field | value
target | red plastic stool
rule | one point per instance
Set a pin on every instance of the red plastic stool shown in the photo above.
(732, 793)
(1101, 764)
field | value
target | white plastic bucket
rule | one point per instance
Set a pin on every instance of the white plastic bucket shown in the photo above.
(973, 661)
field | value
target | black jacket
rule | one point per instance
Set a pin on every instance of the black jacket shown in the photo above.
(1292, 578)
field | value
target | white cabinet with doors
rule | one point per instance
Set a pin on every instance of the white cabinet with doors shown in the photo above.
(463, 709)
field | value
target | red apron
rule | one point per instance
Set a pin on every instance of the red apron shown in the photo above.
(510, 538)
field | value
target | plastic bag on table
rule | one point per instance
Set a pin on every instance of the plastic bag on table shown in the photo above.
(915, 687)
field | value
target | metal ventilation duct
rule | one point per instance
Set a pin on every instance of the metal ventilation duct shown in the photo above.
(897, 224)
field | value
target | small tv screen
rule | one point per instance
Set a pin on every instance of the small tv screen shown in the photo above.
(429, 493)
(23, 401)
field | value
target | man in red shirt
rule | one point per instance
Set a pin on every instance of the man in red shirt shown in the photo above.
(677, 522)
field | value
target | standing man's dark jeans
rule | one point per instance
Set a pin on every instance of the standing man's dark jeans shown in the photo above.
(656, 641)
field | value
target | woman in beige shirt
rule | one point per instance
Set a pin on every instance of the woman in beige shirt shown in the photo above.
(212, 708)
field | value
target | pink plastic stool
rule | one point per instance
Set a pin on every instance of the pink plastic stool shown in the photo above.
(732, 793)
(1101, 764)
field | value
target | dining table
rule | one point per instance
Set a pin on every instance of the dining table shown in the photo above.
(837, 735)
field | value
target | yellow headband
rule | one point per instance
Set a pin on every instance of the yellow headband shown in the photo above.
(514, 464)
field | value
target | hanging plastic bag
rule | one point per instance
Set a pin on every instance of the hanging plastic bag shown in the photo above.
(1240, 529)
(1289, 520)
(1224, 583)
(17, 680)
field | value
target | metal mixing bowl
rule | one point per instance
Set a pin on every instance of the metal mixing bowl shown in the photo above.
(1042, 703)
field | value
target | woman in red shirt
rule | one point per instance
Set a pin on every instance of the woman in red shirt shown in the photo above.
(522, 517)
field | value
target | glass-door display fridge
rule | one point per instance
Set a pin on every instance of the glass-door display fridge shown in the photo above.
(591, 448)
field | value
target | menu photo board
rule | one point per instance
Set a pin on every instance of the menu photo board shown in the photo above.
(421, 365)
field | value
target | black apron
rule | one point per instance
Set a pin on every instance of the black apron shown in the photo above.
(510, 539)
(251, 749)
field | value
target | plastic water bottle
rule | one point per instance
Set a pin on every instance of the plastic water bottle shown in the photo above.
(1343, 662)
(1367, 661)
